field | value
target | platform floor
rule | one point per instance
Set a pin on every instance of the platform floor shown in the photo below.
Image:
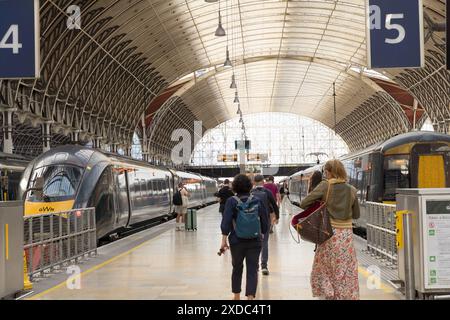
(162, 263)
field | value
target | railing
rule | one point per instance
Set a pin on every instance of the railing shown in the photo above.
(53, 240)
(381, 233)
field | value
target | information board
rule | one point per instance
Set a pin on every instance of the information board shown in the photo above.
(437, 248)
(19, 39)
(395, 34)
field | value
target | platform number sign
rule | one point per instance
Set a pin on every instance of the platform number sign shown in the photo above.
(395, 34)
(19, 39)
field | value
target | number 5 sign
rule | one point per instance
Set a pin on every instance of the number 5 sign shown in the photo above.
(395, 34)
(19, 39)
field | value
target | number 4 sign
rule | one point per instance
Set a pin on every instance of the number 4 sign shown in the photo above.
(19, 39)
(13, 33)
(395, 34)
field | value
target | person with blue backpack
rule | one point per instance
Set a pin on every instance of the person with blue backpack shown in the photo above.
(244, 223)
(271, 205)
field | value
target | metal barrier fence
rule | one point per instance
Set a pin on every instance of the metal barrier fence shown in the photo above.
(51, 240)
(381, 233)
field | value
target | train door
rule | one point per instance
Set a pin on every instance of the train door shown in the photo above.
(204, 191)
(129, 205)
(169, 193)
(429, 163)
(431, 171)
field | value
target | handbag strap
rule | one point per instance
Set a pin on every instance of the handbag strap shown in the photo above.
(328, 192)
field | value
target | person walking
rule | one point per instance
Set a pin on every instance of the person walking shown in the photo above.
(284, 192)
(181, 210)
(334, 274)
(244, 223)
(269, 202)
(272, 187)
(223, 194)
(315, 180)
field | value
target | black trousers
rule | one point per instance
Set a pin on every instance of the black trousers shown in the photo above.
(250, 251)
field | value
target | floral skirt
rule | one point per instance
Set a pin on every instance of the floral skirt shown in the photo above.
(334, 274)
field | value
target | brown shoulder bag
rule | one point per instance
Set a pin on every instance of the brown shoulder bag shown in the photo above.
(313, 224)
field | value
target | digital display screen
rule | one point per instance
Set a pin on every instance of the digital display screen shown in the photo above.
(438, 207)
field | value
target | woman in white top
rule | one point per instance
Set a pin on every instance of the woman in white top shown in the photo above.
(181, 211)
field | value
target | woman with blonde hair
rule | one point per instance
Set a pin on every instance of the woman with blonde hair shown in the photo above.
(334, 274)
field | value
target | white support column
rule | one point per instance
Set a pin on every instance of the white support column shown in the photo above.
(114, 147)
(7, 131)
(415, 107)
(145, 153)
(97, 142)
(75, 136)
(127, 150)
(46, 136)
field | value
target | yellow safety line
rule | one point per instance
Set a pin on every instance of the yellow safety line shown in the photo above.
(101, 265)
(366, 274)
(7, 241)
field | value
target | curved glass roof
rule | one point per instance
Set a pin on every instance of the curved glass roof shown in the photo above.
(286, 56)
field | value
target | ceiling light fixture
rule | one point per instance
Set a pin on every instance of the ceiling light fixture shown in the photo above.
(236, 97)
(227, 62)
(233, 82)
(220, 31)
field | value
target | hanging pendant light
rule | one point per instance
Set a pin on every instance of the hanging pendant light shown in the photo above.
(220, 31)
(236, 97)
(233, 82)
(227, 62)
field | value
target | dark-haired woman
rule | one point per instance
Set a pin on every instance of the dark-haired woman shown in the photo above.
(243, 249)
(315, 180)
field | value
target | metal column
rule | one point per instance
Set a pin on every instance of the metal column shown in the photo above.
(7, 130)
(410, 287)
(46, 136)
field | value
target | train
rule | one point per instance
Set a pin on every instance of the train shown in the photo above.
(411, 160)
(11, 169)
(125, 192)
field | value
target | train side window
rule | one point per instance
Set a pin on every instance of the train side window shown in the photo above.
(149, 188)
(143, 188)
(160, 187)
(135, 188)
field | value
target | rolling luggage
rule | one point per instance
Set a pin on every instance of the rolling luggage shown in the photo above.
(191, 220)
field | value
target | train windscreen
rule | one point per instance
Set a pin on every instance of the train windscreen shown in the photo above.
(60, 183)
(396, 175)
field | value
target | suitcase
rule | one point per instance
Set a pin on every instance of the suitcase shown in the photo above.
(191, 220)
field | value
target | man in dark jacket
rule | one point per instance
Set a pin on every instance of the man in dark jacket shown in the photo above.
(270, 203)
(223, 194)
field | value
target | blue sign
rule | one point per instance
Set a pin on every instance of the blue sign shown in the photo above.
(395, 34)
(19, 39)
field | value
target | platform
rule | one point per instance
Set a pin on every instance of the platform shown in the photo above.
(162, 263)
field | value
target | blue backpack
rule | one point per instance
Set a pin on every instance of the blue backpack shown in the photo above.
(248, 225)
